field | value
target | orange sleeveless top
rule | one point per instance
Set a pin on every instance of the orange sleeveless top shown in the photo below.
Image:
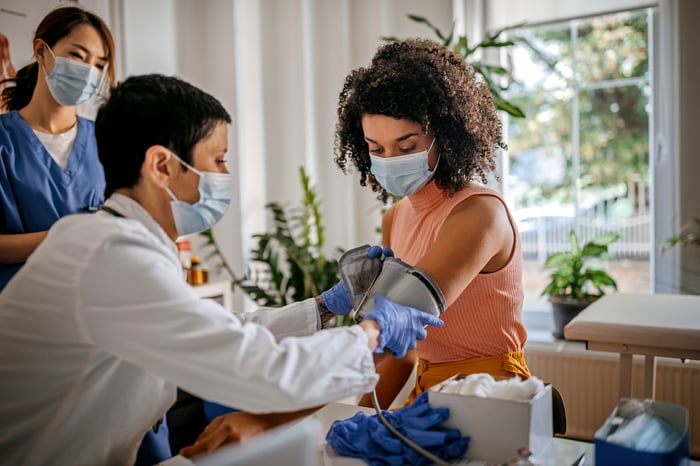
(486, 319)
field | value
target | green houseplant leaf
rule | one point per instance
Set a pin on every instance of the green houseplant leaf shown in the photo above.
(573, 276)
(575, 281)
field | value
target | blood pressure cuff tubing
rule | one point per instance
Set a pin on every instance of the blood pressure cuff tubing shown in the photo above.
(398, 281)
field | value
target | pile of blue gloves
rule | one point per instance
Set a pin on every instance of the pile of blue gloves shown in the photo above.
(365, 437)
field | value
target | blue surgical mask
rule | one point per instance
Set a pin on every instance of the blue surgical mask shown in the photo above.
(72, 82)
(403, 175)
(215, 192)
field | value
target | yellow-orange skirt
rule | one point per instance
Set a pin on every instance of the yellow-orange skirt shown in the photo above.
(502, 365)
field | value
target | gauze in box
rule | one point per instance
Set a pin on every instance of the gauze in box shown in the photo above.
(500, 416)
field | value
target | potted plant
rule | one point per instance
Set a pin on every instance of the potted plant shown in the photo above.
(575, 281)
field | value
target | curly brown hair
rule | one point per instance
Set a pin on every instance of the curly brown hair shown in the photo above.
(427, 83)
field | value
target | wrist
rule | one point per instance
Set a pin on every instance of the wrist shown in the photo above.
(325, 314)
(373, 331)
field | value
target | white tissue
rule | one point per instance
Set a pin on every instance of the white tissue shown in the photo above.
(485, 386)
(638, 427)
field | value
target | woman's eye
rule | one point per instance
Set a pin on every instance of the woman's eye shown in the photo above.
(375, 151)
(407, 149)
(77, 55)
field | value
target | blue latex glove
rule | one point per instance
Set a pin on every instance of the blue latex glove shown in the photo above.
(336, 298)
(366, 437)
(379, 252)
(400, 325)
(351, 437)
(420, 422)
(419, 414)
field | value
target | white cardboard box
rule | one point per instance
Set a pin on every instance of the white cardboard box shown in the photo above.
(498, 428)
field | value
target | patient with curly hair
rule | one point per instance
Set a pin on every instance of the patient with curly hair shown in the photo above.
(419, 124)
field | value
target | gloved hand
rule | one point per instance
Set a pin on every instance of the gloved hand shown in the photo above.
(336, 298)
(367, 438)
(379, 252)
(400, 325)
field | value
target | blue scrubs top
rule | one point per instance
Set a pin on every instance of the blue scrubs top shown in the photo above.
(34, 191)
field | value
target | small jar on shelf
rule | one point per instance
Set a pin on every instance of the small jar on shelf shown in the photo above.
(197, 275)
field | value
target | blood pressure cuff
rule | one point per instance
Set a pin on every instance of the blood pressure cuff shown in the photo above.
(398, 281)
(358, 271)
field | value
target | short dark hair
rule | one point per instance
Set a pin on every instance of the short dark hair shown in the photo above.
(429, 84)
(55, 26)
(149, 110)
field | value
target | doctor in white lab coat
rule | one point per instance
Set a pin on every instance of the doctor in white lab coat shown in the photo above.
(98, 328)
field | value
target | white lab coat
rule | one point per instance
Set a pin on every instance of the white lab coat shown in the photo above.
(98, 329)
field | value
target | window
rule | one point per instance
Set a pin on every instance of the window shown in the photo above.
(580, 159)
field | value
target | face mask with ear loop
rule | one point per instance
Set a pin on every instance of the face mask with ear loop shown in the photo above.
(72, 82)
(403, 175)
(215, 193)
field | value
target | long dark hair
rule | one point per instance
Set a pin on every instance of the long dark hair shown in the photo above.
(56, 25)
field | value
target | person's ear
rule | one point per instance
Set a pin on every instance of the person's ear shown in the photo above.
(40, 51)
(157, 166)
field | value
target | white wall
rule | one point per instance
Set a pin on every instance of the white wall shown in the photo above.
(149, 40)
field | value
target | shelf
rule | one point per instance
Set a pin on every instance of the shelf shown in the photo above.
(219, 291)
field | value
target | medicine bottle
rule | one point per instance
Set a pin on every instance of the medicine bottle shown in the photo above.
(197, 275)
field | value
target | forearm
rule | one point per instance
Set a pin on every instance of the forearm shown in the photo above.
(393, 374)
(15, 249)
(239, 427)
(272, 420)
(372, 329)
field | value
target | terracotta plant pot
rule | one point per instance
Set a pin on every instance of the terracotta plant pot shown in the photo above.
(564, 308)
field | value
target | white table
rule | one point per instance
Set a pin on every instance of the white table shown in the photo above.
(645, 324)
(565, 452)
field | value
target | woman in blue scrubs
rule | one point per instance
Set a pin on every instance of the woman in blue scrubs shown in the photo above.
(48, 157)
